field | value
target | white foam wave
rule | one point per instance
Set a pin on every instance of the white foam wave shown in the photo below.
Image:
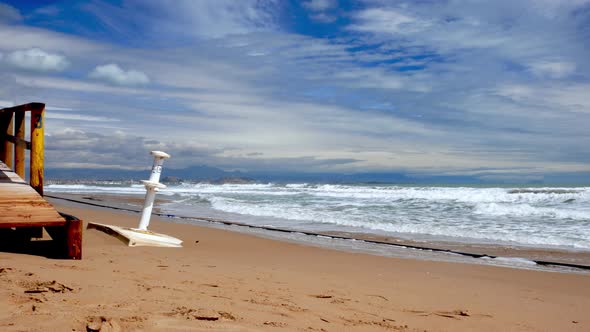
(570, 236)
(460, 194)
(526, 210)
(88, 189)
(374, 193)
(536, 216)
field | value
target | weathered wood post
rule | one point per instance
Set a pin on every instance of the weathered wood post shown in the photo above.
(6, 128)
(68, 236)
(19, 144)
(74, 238)
(3, 129)
(37, 148)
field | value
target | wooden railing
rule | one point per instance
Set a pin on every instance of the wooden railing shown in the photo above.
(13, 143)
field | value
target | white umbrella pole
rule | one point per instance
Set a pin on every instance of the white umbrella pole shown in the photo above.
(152, 186)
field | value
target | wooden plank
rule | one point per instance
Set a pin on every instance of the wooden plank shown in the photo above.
(11, 178)
(33, 224)
(30, 214)
(29, 222)
(8, 204)
(19, 146)
(15, 140)
(27, 211)
(39, 209)
(22, 206)
(37, 148)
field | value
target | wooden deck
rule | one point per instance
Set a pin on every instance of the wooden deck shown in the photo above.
(22, 206)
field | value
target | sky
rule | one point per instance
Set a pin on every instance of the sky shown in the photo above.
(494, 89)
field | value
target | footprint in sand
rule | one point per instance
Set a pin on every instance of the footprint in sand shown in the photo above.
(48, 287)
(210, 285)
(322, 296)
(386, 323)
(275, 324)
(454, 314)
(201, 314)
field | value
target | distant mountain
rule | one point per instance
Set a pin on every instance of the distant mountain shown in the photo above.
(216, 175)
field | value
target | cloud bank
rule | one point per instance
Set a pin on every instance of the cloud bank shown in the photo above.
(430, 86)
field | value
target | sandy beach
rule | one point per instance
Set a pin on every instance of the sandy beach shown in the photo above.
(229, 281)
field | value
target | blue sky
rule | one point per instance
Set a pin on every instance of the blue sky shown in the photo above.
(496, 89)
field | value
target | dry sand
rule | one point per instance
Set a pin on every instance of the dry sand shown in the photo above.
(230, 281)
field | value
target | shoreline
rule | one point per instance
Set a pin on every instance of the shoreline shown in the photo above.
(547, 219)
(224, 280)
(516, 256)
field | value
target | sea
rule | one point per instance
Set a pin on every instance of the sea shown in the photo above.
(547, 218)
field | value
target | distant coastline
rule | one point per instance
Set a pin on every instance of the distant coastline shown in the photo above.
(208, 174)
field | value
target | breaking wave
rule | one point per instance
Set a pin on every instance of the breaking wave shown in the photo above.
(528, 216)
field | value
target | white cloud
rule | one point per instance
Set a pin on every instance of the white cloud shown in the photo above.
(323, 17)
(77, 117)
(320, 5)
(495, 27)
(553, 69)
(37, 59)
(6, 103)
(9, 13)
(57, 108)
(50, 41)
(375, 78)
(461, 98)
(74, 85)
(387, 20)
(319, 10)
(114, 74)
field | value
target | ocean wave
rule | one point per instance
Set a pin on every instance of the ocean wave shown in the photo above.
(379, 193)
(461, 194)
(528, 234)
(526, 210)
(98, 189)
(536, 216)
(544, 191)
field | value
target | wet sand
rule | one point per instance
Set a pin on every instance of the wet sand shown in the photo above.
(222, 280)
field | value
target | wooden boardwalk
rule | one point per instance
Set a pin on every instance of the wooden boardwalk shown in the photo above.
(23, 211)
(21, 205)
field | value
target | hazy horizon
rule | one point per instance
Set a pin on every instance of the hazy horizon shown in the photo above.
(216, 175)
